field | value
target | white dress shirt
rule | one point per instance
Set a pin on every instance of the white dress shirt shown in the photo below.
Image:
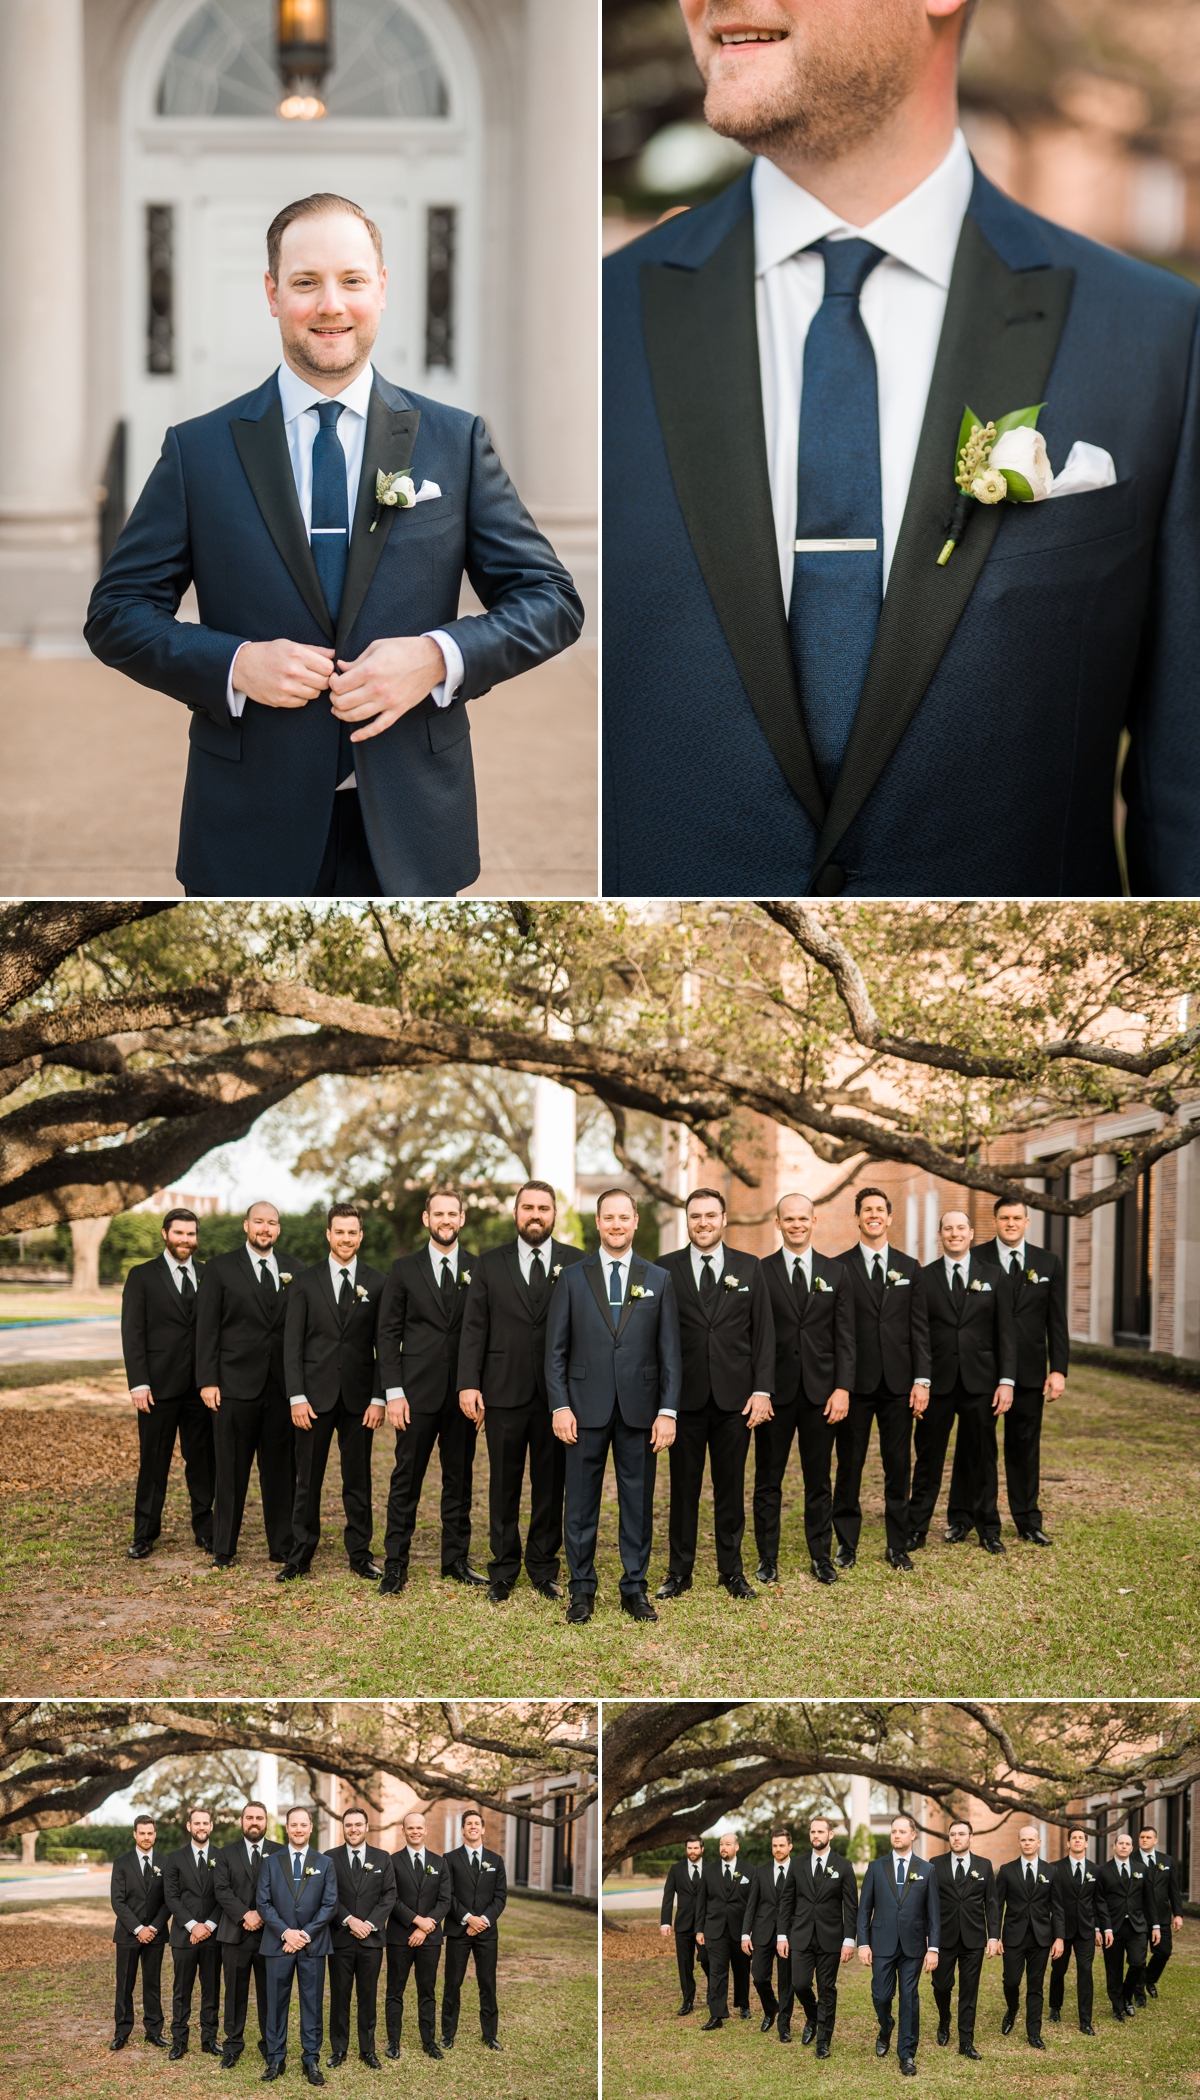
(269, 1257)
(436, 1256)
(716, 1256)
(1007, 1253)
(623, 1262)
(525, 1254)
(869, 1253)
(903, 305)
(821, 1859)
(805, 1261)
(255, 1845)
(955, 1857)
(963, 1262)
(359, 1853)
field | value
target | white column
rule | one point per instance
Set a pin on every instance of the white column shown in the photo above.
(560, 211)
(47, 512)
(860, 1815)
(268, 1782)
(676, 1152)
(554, 1140)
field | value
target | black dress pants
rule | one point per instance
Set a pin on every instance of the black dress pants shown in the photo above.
(1125, 1966)
(772, 1448)
(187, 1417)
(976, 1443)
(129, 1960)
(455, 1438)
(203, 1962)
(725, 1436)
(458, 1953)
(1160, 1955)
(687, 1953)
(515, 1434)
(725, 1959)
(312, 1454)
(635, 1465)
(1083, 1947)
(354, 1969)
(240, 1963)
(969, 1963)
(853, 1437)
(245, 1430)
(774, 1991)
(402, 1961)
(347, 869)
(1022, 1464)
(1027, 1960)
(811, 1964)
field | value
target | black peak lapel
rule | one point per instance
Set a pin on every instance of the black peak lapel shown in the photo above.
(998, 342)
(701, 341)
(387, 446)
(263, 450)
(637, 1272)
(512, 1262)
(595, 1276)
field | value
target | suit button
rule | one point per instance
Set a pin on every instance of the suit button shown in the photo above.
(831, 881)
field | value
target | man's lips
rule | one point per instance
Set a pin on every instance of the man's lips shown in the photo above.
(731, 38)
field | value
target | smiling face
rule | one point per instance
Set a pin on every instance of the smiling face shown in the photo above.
(330, 293)
(955, 1233)
(262, 1226)
(354, 1827)
(873, 1220)
(199, 1825)
(298, 1826)
(443, 1220)
(535, 1213)
(472, 1830)
(1011, 1221)
(795, 1218)
(254, 1822)
(705, 1223)
(181, 1239)
(345, 1238)
(616, 1223)
(414, 1831)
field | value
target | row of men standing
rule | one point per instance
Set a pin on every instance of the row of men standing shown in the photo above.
(258, 1910)
(788, 1924)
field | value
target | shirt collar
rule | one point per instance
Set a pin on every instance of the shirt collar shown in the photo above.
(256, 1254)
(791, 1257)
(438, 1255)
(822, 1856)
(965, 1858)
(953, 1261)
(336, 1267)
(296, 394)
(525, 1253)
(253, 1844)
(1006, 1254)
(622, 1259)
(922, 231)
(869, 1253)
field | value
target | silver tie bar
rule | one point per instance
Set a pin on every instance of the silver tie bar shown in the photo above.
(837, 546)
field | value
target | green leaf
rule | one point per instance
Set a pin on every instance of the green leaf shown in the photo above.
(1019, 490)
(1020, 419)
(969, 423)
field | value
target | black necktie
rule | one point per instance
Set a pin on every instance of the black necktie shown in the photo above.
(818, 1875)
(1078, 1871)
(475, 1864)
(345, 1294)
(728, 1882)
(447, 1281)
(187, 1289)
(1014, 1270)
(1124, 1871)
(695, 1876)
(356, 1868)
(779, 1874)
(877, 1279)
(537, 1280)
(799, 1283)
(265, 1278)
(146, 1870)
(958, 1287)
(958, 1870)
(1029, 1873)
(708, 1282)
(255, 1863)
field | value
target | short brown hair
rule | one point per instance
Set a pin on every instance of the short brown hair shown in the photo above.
(320, 205)
(179, 1217)
(444, 1188)
(704, 1196)
(343, 1210)
(605, 1194)
(862, 1195)
(543, 1188)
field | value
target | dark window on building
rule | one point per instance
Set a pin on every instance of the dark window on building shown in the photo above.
(160, 288)
(112, 499)
(1133, 1266)
(521, 1854)
(1056, 1229)
(564, 1843)
(1177, 1839)
(441, 230)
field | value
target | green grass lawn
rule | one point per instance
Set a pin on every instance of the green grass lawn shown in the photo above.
(651, 2055)
(56, 2024)
(1109, 1611)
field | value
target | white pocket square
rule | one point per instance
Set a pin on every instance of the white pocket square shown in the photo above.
(429, 489)
(1088, 467)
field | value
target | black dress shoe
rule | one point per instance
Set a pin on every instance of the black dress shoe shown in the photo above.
(1151, 1989)
(140, 1551)
(549, 1588)
(580, 1610)
(118, 2041)
(289, 1572)
(743, 2012)
(177, 2050)
(499, 1592)
(969, 2049)
(392, 2050)
(673, 1586)
(394, 1579)
(824, 1571)
(993, 1545)
(431, 2049)
(1055, 2016)
(785, 2034)
(370, 1570)
(897, 1558)
(272, 2072)
(1036, 2042)
(689, 2005)
(766, 2023)
(943, 2037)
(914, 1542)
(1037, 1538)
(767, 1571)
(228, 2058)
(954, 1534)
(1008, 2023)
(640, 1608)
(462, 1571)
(493, 2044)
(846, 1557)
(1117, 2013)
(223, 1560)
(210, 2049)
(1128, 2009)
(908, 2067)
(205, 1545)
(155, 2041)
(446, 2041)
(807, 2033)
(883, 2041)
(822, 2049)
(334, 2061)
(711, 2024)
(314, 2074)
(737, 1586)
(369, 2058)
(1085, 2027)
(1139, 1999)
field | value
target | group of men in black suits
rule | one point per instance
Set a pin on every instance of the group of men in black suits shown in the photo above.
(789, 1923)
(257, 1909)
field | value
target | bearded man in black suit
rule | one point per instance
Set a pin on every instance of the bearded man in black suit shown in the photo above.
(139, 1935)
(333, 1384)
(891, 1372)
(420, 1327)
(357, 1932)
(502, 1383)
(970, 1927)
(190, 1891)
(414, 1933)
(1080, 1919)
(813, 1311)
(763, 1938)
(818, 1919)
(236, 1868)
(974, 1355)
(680, 1890)
(240, 1309)
(158, 1342)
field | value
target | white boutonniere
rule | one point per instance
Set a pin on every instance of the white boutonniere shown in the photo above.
(285, 1276)
(894, 1276)
(821, 1283)
(392, 490)
(636, 1290)
(1044, 1880)
(977, 1286)
(359, 1292)
(310, 1870)
(1001, 462)
(1089, 1877)
(557, 1269)
(730, 1282)
(1031, 1276)
(464, 1276)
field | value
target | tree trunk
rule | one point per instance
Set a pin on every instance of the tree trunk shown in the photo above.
(86, 1237)
(29, 1840)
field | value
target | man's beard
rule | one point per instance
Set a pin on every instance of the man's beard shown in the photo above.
(356, 347)
(535, 1234)
(839, 93)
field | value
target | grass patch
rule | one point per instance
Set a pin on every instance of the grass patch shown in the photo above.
(101, 1371)
(56, 2024)
(1111, 1605)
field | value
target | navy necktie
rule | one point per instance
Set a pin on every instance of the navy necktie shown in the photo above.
(614, 1291)
(836, 596)
(331, 535)
(899, 1874)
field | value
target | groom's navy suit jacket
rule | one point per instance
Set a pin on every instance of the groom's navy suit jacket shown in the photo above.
(221, 508)
(593, 1368)
(906, 1925)
(281, 1910)
(983, 754)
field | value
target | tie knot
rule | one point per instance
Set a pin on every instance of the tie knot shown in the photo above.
(328, 411)
(848, 264)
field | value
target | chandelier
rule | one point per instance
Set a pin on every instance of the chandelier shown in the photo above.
(304, 35)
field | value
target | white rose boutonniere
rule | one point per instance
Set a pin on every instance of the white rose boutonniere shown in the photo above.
(464, 1276)
(392, 491)
(360, 1292)
(821, 1283)
(285, 1276)
(894, 1276)
(997, 462)
(730, 1282)
(1031, 1276)
(637, 1290)
(557, 1269)
(977, 1286)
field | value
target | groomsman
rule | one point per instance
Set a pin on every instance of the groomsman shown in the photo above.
(366, 1887)
(973, 1350)
(158, 1342)
(414, 1933)
(818, 1918)
(240, 1310)
(478, 1894)
(899, 1920)
(1038, 1286)
(813, 1311)
(419, 1330)
(236, 1869)
(720, 1917)
(891, 1379)
(727, 1337)
(297, 1896)
(139, 1935)
(680, 1890)
(763, 1938)
(1164, 1906)
(333, 1384)
(1125, 1893)
(195, 1950)
(1026, 1932)
(1079, 1916)
(613, 1377)
(502, 1383)
(970, 1922)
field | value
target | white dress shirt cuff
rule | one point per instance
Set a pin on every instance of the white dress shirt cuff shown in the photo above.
(1006, 1381)
(847, 1943)
(394, 1392)
(234, 700)
(669, 1412)
(456, 670)
(299, 1400)
(135, 1389)
(922, 1381)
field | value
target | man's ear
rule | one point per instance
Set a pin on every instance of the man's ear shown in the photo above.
(272, 293)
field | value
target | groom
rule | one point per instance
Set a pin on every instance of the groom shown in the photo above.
(788, 369)
(329, 675)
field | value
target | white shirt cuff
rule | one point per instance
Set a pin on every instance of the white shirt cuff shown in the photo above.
(1006, 1381)
(138, 1389)
(921, 1381)
(456, 670)
(668, 1411)
(300, 1400)
(847, 1943)
(234, 700)
(394, 1392)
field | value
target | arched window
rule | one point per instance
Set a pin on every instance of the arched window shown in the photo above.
(222, 63)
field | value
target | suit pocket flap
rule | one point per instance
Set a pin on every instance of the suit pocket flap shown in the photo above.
(219, 739)
(1067, 521)
(448, 725)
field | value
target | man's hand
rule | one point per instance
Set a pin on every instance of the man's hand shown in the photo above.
(360, 1928)
(781, 1948)
(665, 1931)
(390, 676)
(302, 1415)
(565, 1427)
(1177, 1924)
(864, 1955)
(1108, 1939)
(993, 1948)
(373, 1415)
(416, 1937)
(427, 1925)
(1055, 1951)
(747, 1944)
(471, 1402)
(146, 1933)
(1002, 1399)
(699, 1939)
(930, 1962)
(294, 1942)
(143, 1401)
(397, 1413)
(1055, 1386)
(918, 1399)
(1156, 1934)
(845, 1954)
(282, 674)
(475, 1926)
(759, 1409)
(662, 1432)
(837, 1407)
(211, 1396)
(251, 1922)
(200, 1933)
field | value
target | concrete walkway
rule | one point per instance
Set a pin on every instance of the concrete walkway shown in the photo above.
(60, 1342)
(68, 1884)
(93, 773)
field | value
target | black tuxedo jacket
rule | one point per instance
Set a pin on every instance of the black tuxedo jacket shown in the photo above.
(1076, 1907)
(592, 1367)
(1039, 1311)
(678, 1891)
(970, 1908)
(1127, 1900)
(190, 1894)
(502, 1346)
(427, 1896)
(1164, 1894)
(239, 1328)
(891, 1335)
(760, 1919)
(814, 1351)
(236, 1888)
(374, 1900)
(158, 1330)
(823, 1917)
(419, 1333)
(975, 1340)
(482, 1897)
(721, 1916)
(133, 1904)
(729, 1346)
(220, 510)
(324, 1355)
(1026, 1914)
